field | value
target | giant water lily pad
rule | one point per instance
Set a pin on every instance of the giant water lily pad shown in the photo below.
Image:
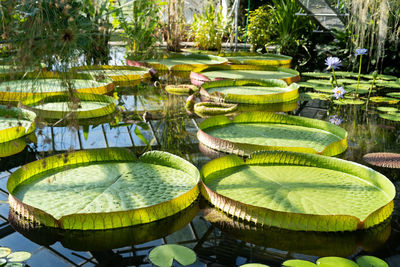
(249, 58)
(298, 191)
(102, 189)
(50, 84)
(181, 62)
(245, 72)
(253, 131)
(15, 125)
(79, 106)
(121, 75)
(250, 91)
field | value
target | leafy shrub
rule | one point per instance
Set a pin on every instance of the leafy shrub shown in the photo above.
(260, 29)
(209, 28)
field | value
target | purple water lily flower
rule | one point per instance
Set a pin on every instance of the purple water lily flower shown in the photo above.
(361, 51)
(333, 62)
(335, 120)
(338, 92)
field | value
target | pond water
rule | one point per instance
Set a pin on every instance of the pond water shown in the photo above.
(217, 239)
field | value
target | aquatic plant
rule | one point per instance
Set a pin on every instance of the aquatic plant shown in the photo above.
(359, 52)
(338, 92)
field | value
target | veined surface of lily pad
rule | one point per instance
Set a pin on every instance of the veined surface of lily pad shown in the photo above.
(336, 261)
(384, 99)
(298, 191)
(121, 75)
(251, 91)
(349, 101)
(181, 62)
(245, 72)
(164, 255)
(319, 75)
(51, 84)
(102, 189)
(253, 131)
(394, 94)
(268, 59)
(81, 106)
(371, 261)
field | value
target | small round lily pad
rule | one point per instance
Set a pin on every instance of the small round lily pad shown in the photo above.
(387, 109)
(390, 116)
(4, 252)
(383, 99)
(298, 263)
(164, 255)
(394, 94)
(371, 261)
(335, 262)
(18, 256)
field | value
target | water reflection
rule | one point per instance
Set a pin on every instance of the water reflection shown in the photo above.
(341, 244)
(97, 240)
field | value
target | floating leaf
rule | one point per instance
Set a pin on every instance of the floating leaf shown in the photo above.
(205, 109)
(102, 189)
(335, 262)
(298, 191)
(13, 264)
(349, 101)
(323, 75)
(233, 72)
(383, 99)
(320, 82)
(371, 261)
(182, 62)
(181, 89)
(387, 109)
(346, 74)
(379, 77)
(3, 262)
(121, 75)
(394, 94)
(250, 91)
(390, 116)
(298, 263)
(164, 255)
(249, 58)
(4, 252)
(312, 95)
(252, 131)
(18, 256)
(383, 159)
(80, 106)
(50, 83)
(306, 85)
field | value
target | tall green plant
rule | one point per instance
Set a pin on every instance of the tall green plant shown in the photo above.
(140, 23)
(261, 27)
(209, 28)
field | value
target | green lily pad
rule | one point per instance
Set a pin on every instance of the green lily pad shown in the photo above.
(306, 84)
(389, 84)
(181, 89)
(390, 116)
(4, 252)
(192, 60)
(164, 255)
(346, 74)
(320, 82)
(50, 84)
(298, 191)
(250, 91)
(394, 94)
(349, 101)
(363, 88)
(383, 99)
(81, 106)
(323, 89)
(13, 264)
(371, 261)
(335, 262)
(347, 81)
(387, 109)
(252, 131)
(102, 189)
(244, 72)
(322, 75)
(3, 262)
(298, 263)
(379, 77)
(312, 95)
(205, 109)
(18, 256)
(258, 59)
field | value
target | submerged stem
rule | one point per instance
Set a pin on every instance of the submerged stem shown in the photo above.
(359, 74)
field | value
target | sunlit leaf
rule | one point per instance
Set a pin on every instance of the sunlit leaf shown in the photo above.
(4, 252)
(18, 256)
(164, 255)
(335, 262)
(298, 191)
(371, 261)
(298, 263)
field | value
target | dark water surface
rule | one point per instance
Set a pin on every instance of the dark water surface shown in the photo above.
(217, 239)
